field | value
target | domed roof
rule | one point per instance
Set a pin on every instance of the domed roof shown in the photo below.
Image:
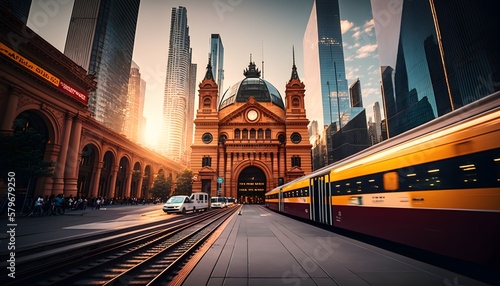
(252, 85)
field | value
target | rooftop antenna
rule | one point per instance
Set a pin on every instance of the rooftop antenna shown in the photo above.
(262, 59)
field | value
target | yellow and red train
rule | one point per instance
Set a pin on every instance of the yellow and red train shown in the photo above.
(436, 187)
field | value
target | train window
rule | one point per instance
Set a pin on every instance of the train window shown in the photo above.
(391, 182)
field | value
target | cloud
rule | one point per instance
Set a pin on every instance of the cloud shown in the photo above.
(366, 51)
(369, 26)
(345, 25)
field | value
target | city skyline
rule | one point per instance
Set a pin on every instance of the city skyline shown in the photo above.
(259, 29)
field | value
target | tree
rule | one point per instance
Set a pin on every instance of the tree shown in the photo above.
(161, 187)
(185, 183)
(22, 152)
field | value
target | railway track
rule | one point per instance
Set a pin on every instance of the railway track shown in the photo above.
(146, 259)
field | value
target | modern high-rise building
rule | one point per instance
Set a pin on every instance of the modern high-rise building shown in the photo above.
(327, 95)
(133, 111)
(378, 121)
(217, 62)
(436, 56)
(177, 88)
(100, 39)
(355, 94)
(20, 8)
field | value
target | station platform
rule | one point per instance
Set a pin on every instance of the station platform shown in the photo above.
(261, 247)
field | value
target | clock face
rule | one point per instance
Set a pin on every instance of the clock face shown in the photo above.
(206, 138)
(252, 115)
(296, 138)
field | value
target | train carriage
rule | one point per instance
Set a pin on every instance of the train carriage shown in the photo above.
(436, 187)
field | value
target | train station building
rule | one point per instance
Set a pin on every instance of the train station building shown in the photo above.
(43, 90)
(252, 140)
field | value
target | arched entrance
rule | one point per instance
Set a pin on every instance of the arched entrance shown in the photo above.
(86, 171)
(251, 185)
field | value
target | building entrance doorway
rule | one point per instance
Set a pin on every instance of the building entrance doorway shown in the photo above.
(251, 186)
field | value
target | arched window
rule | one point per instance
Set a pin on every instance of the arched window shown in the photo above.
(244, 134)
(252, 133)
(268, 133)
(207, 102)
(296, 161)
(295, 102)
(237, 134)
(260, 134)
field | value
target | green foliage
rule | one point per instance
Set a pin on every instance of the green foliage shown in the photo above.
(185, 183)
(161, 187)
(22, 152)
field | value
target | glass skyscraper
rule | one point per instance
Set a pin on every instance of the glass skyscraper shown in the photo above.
(101, 38)
(327, 89)
(177, 100)
(438, 56)
(217, 62)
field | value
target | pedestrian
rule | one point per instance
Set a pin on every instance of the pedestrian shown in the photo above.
(59, 205)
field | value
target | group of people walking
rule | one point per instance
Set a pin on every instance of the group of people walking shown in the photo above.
(58, 205)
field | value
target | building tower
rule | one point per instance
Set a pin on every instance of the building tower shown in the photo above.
(133, 112)
(100, 39)
(217, 62)
(176, 94)
(435, 57)
(19, 8)
(324, 64)
(355, 93)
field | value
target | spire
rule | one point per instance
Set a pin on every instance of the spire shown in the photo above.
(209, 74)
(251, 71)
(295, 75)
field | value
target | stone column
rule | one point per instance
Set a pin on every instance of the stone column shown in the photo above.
(95, 179)
(139, 186)
(113, 178)
(128, 178)
(58, 185)
(73, 159)
(10, 109)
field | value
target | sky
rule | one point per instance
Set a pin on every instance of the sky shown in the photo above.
(264, 29)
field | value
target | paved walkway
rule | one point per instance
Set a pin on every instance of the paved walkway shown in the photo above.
(260, 247)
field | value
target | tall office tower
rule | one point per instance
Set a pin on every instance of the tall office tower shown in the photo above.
(21, 8)
(355, 93)
(441, 56)
(101, 38)
(142, 119)
(327, 94)
(378, 121)
(176, 95)
(190, 114)
(217, 62)
(132, 113)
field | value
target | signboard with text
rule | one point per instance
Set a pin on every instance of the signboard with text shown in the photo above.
(44, 74)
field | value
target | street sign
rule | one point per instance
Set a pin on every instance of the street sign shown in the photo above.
(220, 180)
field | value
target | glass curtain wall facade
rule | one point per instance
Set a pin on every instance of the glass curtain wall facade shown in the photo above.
(176, 94)
(101, 38)
(217, 62)
(425, 77)
(324, 66)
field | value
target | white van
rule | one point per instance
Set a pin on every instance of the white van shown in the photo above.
(182, 204)
(218, 202)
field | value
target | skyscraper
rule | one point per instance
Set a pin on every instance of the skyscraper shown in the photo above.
(101, 38)
(355, 93)
(217, 62)
(133, 111)
(435, 56)
(20, 8)
(324, 64)
(176, 99)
